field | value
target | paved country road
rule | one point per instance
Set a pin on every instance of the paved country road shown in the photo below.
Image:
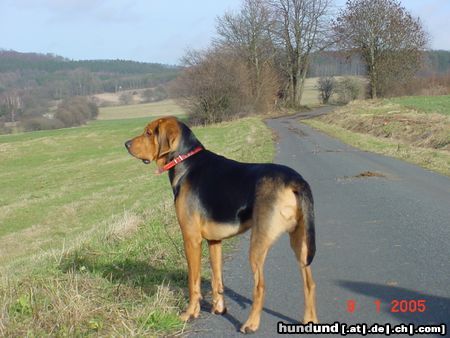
(380, 238)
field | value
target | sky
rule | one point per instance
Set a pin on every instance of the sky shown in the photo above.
(146, 30)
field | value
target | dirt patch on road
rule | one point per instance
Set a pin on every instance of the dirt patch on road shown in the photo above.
(362, 175)
(368, 174)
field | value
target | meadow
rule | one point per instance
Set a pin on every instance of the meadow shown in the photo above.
(89, 243)
(160, 108)
(426, 104)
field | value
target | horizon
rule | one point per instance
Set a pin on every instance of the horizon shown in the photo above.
(127, 60)
(150, 32)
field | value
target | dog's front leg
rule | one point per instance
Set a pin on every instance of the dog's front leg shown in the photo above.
(193, 250)
(215, 257)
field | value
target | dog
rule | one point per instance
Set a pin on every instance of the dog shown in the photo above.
(217, 198)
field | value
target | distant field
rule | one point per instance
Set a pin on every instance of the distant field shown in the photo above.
(310, 96)
(427, 104)
(161, 108)
(89, 243)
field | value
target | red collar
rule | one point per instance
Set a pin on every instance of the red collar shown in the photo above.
(178, 159)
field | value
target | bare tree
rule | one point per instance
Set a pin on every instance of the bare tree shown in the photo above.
(387, 37)
(214, 86)
(12, 101)
(300, 28)
(247, 35)
(326, 86)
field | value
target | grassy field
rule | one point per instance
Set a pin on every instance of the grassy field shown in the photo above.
(426, 104)
(396, 127)
(89, 244)
(150, 110)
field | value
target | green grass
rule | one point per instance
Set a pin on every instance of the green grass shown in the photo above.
(149, 110)
(89, 243)
(427, 104)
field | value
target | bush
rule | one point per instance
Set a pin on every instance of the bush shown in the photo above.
(211, 87)
(126, 98)
(75, 111)
(326, 86)
(4, 129)
(154, 94)
(436, 84)
(41, 123)
(348, 89)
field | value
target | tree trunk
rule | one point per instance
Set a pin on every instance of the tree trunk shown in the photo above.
(302, 82)
(373, 74)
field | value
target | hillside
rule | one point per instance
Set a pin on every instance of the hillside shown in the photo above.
(31, 82)
(56, 77)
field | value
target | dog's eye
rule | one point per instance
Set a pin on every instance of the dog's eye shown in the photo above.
(148, 132)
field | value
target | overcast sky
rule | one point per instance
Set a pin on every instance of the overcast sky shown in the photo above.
(145, 30)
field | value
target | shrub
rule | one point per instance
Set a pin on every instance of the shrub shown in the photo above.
(126, 98)
(326, 86)
(154, 94)
(211, 87)
(77, 110)
(41, 123)
(348, 89)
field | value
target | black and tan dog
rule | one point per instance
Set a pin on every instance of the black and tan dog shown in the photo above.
(217, 198)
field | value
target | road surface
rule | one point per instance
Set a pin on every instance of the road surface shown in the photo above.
(383, 238)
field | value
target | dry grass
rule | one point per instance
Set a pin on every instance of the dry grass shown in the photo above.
(392, 129)
(89, 242)
(394, 121)
(107, 99)
(150, 110)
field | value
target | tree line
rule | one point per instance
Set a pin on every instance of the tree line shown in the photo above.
(30, 83)
(264, 52)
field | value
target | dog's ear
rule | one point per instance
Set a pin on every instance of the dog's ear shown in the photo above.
(167, 133)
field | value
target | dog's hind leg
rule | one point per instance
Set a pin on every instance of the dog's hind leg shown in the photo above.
(299, 246)
(259, 246)
(215, 257)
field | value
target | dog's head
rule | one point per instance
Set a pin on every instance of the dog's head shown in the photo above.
(160, 138)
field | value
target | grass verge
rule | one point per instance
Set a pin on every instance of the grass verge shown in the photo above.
(392, 129)
(97, 250)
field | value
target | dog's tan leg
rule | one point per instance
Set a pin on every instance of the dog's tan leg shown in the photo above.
(193, 250)
(259, 246)
(215, 256)
(300, 249)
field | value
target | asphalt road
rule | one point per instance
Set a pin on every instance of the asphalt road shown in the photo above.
(378, 238)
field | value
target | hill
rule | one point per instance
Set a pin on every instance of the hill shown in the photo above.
(31, 82)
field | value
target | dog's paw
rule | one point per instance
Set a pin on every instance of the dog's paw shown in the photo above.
(249, 328)
(309, 319)
(219, 307)
(190, 313)
(219, 311)
(185, 316)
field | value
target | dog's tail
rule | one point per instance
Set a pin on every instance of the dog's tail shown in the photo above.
(305, 203)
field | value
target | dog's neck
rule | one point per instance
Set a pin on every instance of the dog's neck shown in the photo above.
(187, 143)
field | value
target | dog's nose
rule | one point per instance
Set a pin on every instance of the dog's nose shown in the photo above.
(128, 144)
